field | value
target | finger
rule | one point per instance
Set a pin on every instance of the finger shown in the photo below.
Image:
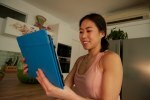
(25, 71)
(40, 80)
(41, 74)
(25, 66)
(43, 77)
(22, 60)
(43, 86)
(44, 80)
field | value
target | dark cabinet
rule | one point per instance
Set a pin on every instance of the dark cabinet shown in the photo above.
(64, 56)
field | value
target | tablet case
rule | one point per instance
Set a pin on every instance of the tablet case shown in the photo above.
(38, 50)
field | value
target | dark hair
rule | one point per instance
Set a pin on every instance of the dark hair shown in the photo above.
(101, 25)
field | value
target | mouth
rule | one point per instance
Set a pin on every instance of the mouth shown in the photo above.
(85, 42)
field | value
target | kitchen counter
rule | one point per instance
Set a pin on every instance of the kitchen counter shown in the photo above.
(12, 89)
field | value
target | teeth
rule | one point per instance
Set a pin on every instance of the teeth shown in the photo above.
(85, 42)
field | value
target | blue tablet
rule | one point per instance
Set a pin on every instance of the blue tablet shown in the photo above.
(38, 50)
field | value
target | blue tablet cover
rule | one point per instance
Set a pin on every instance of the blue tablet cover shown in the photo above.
(38, 50)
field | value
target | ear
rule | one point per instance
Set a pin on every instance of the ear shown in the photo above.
(102, 34)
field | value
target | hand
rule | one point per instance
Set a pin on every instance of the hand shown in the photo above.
(25, 66)
(53, 91)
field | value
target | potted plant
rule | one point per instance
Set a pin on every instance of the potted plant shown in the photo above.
(117, 34)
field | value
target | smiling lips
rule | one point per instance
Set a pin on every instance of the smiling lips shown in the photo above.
(85, 42)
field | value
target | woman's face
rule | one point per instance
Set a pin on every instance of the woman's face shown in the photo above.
(90, 36)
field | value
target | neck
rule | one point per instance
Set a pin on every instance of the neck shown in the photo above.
(94, 51)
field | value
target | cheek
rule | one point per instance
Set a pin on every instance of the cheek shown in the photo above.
(96, 38)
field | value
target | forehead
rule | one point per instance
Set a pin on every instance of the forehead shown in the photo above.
(87, 23)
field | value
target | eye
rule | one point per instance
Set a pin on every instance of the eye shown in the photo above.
(89, 31)
(81, 32)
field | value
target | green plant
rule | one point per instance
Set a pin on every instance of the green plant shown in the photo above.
(117, 34)
(24, 78)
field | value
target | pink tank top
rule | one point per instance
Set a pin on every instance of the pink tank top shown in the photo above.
(89, 83)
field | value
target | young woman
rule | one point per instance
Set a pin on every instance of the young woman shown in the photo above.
(96, 75)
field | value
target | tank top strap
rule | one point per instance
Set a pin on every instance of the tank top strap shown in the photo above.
(79, 62)
(100, 55)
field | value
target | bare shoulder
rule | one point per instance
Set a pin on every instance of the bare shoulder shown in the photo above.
(110, 55)
(111, 60)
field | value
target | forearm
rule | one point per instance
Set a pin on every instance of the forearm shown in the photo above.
(76, 97)
(69, 95)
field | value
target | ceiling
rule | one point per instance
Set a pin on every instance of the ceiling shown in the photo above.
(71, 11)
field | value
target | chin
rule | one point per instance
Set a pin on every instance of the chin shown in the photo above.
(86, 48)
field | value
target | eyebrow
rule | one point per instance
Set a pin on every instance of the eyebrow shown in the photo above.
(86, 28)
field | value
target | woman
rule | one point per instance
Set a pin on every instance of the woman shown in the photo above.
(96, 75)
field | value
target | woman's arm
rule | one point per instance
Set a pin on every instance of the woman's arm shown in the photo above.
(67, 93)
(112, 76)
(52, 91)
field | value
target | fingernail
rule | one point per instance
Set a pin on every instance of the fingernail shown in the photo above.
(37, 73)
(39, 69)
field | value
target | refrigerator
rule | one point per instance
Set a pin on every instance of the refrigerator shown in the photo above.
(135, 56)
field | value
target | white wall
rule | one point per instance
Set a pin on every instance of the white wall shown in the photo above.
(1, 24)
(6, 42)
(64, 32)
(64, 29)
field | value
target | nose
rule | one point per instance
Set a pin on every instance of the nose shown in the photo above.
(84, 35)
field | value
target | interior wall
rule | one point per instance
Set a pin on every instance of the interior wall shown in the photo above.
(10, 43)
